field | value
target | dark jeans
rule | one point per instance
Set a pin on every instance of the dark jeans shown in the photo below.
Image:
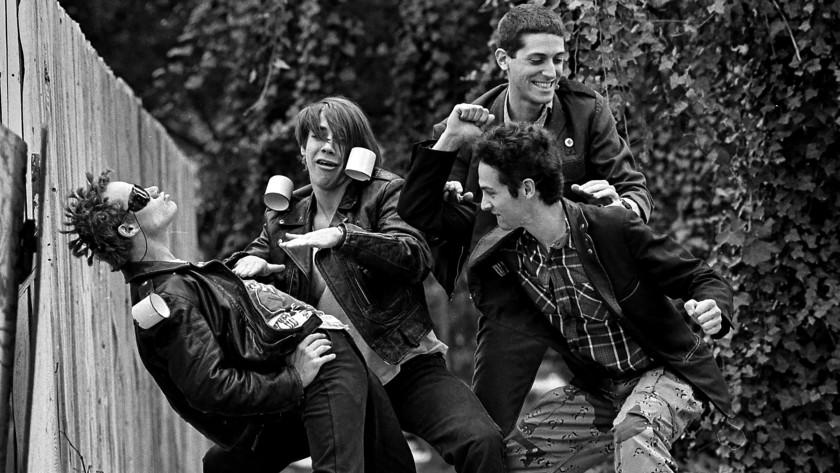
(435, 405)
(343, 397)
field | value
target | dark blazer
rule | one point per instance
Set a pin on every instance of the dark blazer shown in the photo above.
(635, 271)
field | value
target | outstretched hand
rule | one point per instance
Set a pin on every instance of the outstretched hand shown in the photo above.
(597, 192)
(250, 266)
(324, 238)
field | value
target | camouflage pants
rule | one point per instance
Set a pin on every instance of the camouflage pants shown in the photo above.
(571, 430)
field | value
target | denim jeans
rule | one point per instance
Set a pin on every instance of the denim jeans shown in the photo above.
(435, 405)
(343, 397)
(635, 424)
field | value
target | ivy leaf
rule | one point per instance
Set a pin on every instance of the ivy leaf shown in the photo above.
(757, 252)
(718, 7)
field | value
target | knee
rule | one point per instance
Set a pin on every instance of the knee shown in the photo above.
(484, 436)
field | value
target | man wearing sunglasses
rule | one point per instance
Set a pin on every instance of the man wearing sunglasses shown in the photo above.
(253, 369)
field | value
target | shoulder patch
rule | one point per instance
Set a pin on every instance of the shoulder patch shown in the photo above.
(150, 311)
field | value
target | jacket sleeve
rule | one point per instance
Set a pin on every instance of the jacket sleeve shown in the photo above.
(421, 203)
(395, 248)
(676, 271)
(612, 160)
(210, 383)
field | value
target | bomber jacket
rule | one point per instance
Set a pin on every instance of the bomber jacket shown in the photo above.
(376, 274)
(219, 365)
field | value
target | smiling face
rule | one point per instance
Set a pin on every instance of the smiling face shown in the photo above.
(154, 217)
(534, 69)
(510, 211)
(325, 158)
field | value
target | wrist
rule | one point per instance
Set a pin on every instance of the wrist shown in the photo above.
(342, 235)
(447, 142)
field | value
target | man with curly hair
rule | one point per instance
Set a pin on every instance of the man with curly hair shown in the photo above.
(256, 371)
(594, 284)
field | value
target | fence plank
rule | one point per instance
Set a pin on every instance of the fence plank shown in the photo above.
(12, 172)
(89, 388)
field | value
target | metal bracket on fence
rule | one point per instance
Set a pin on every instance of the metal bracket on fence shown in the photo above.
(28, 245)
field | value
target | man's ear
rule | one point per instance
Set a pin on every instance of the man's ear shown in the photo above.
(502, 59)
(528, 188)
(128, 228)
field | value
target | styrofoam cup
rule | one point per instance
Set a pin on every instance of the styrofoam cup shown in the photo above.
(150, 311)
(278, 192)
(360, 164)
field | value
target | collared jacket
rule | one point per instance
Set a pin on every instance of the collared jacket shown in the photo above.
(590, 148)
(376, 274)
(220, 367)
(635, 272)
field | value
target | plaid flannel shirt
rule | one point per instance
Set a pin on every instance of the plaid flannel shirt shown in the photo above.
(559, 286)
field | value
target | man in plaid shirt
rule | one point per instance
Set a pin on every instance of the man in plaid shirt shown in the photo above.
(595, 284)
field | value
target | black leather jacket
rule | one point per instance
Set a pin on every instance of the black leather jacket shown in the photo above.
(376, 274)
(221, 368)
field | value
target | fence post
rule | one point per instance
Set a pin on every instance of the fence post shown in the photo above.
(13, 188)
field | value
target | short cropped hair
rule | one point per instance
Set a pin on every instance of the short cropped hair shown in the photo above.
(349, 124)
(93, 220)
(526, 19)
(519, 151)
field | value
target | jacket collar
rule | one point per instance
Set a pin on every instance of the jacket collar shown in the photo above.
(136, 270)
(497, 237)
(495, 100)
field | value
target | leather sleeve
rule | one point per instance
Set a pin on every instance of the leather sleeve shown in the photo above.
(208, 379)
(421, 203)
(394, 248)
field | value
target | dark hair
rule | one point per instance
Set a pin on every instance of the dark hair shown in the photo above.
(526, 19)
(350, 127)
(519, 151)
(94, 221)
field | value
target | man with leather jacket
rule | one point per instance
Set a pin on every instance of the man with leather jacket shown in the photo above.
(347, 252)
(267, 378)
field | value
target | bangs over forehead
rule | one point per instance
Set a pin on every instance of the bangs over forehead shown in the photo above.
(349, 125)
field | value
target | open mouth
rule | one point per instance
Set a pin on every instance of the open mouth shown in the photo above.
(324, 163)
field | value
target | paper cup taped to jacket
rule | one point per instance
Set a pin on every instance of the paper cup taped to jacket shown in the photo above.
(150, 311)
(360, 164)
(278, 192)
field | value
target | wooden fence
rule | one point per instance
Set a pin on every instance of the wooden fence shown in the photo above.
(81, 400)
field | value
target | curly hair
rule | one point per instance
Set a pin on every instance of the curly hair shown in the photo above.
(520, 151)
(526, 19)
(94, 221)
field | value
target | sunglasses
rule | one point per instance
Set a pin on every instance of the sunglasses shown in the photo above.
(138, 198)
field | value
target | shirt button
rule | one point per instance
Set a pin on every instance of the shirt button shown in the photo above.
(589, 251)
(281, 221)
(569, 142)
